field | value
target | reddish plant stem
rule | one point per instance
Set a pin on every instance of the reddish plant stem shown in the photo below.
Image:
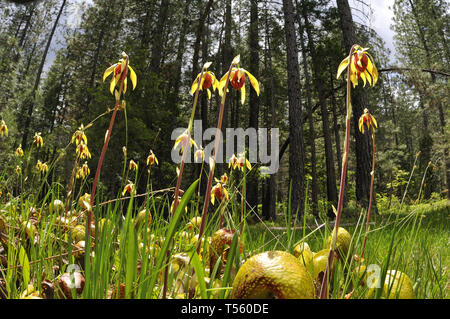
(174, 208)
(222, 207)
(423, 181)
(324, 286)
(177, 188)
(69, 193)
(371, 192)
(183, 159)
(211, 169)
(26, 167)
(102, 157)
(243, 201)
(180, 174)
(146, 186)
(166, 275)
(241, 227)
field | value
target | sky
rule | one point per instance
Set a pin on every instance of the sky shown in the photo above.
(380, 20)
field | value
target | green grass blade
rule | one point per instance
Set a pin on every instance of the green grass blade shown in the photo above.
(231, 255)
(289, 217)
(131, 260)
(23, 260)
(170, 233)
(198, 268)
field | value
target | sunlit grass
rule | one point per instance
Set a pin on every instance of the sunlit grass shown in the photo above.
(134, 255)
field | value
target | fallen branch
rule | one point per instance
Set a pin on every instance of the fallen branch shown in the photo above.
(41, 260)
(138, 195)
(397, 69)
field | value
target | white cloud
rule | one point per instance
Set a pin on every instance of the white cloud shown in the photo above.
(382, 20)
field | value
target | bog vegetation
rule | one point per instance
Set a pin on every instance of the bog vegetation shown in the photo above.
(92, 205)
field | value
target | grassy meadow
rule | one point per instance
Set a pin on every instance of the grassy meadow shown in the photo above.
(45, 248)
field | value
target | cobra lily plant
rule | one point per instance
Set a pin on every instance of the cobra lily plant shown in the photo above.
(370, 122)
(237, 81)
(359, 65)
(119, 79)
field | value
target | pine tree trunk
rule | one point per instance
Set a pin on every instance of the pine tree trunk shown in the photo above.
(38, 78)
(438, 102)
(27, 26)
(329, 158)
(337, 137)
(296, 147)
(359, 101)
(158, 40)
(198, 39)
(179, 59)
(97, 54)
(28, 64)
(204, 98)
(252, 181)
(21, 15)
(146, 24)
(227, 56)
(312, 133)
(269, 198)
(196, 69)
